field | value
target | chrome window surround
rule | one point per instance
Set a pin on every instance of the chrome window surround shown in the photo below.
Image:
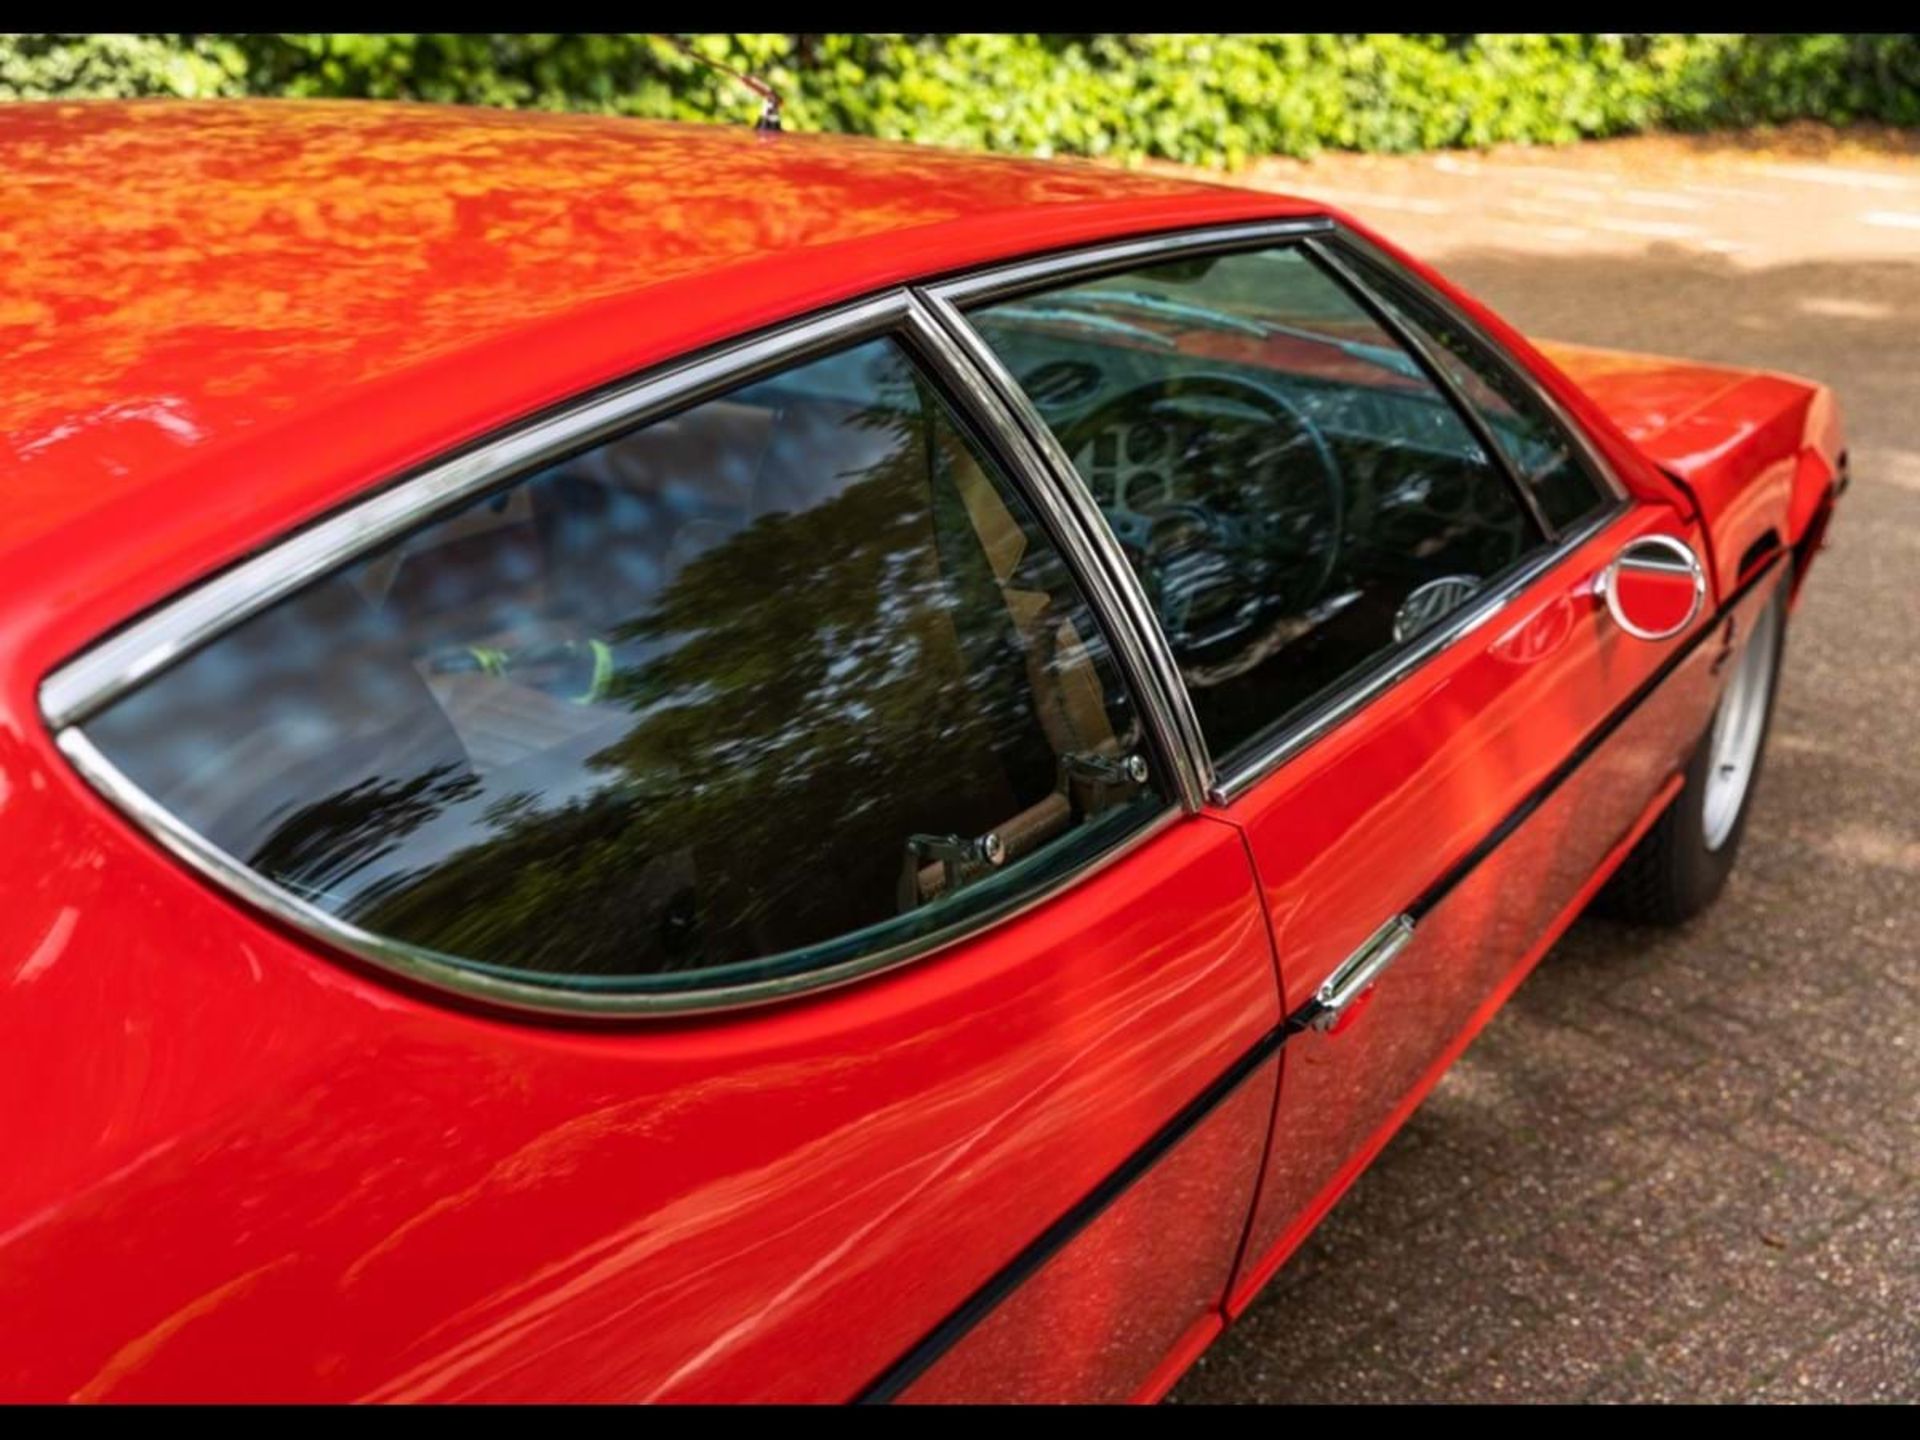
(92, 680)
(1321, 237)
(1167, 690)
(997, 282)
(1369, 685)
(943, 347)
(929, 321)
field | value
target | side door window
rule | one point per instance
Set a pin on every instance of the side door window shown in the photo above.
(1534, 443)
(1297, 496)
(1419, 859)
(753, 690)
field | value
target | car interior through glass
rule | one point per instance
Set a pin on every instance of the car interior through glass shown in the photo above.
(786, 676)
(1296, 496)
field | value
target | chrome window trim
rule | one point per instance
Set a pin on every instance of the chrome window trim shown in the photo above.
(927, 318)
(997, 282)
(84, 685)
(1337, 705)
(945, 300)
(943, 347)
(448, 974)
(1166, 691)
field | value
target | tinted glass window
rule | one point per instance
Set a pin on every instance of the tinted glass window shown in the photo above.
(1297, 497)
(1565, 490)
(792, 671)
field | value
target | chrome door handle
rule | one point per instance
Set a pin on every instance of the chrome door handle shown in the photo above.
(1353, 975)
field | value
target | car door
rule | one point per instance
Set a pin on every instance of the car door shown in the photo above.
(565, 793)
(1380, 597)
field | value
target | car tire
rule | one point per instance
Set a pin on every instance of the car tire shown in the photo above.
(1682, 863)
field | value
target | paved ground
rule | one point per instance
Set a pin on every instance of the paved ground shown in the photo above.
(1685, 1165)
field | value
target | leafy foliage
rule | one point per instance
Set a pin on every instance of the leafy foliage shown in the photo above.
(1201, 98)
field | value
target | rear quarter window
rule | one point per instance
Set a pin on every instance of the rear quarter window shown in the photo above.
(787, 678)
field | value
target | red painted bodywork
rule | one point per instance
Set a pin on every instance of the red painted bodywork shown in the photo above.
(241, 1168)
(1188, 1212)
(1359, 826)
(1759, 452)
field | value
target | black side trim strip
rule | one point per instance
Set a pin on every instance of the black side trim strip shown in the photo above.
(944, 1336)
(1758, 552)
(950, 1331)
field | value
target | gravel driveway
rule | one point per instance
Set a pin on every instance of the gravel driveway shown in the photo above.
(1681, 1165)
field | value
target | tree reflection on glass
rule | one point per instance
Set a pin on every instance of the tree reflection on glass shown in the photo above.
(799, 678)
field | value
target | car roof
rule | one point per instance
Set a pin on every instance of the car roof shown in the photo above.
(223, 318)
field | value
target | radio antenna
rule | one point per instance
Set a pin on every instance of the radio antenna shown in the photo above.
(769, 97)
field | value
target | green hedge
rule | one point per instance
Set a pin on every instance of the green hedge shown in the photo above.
(1209, 99)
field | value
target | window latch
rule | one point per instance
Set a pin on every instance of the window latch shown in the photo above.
(960, 858)
(1104, 769)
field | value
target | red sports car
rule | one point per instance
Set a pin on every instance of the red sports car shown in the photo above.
(667, 763)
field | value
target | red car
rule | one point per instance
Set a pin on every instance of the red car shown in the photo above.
(672, 763)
